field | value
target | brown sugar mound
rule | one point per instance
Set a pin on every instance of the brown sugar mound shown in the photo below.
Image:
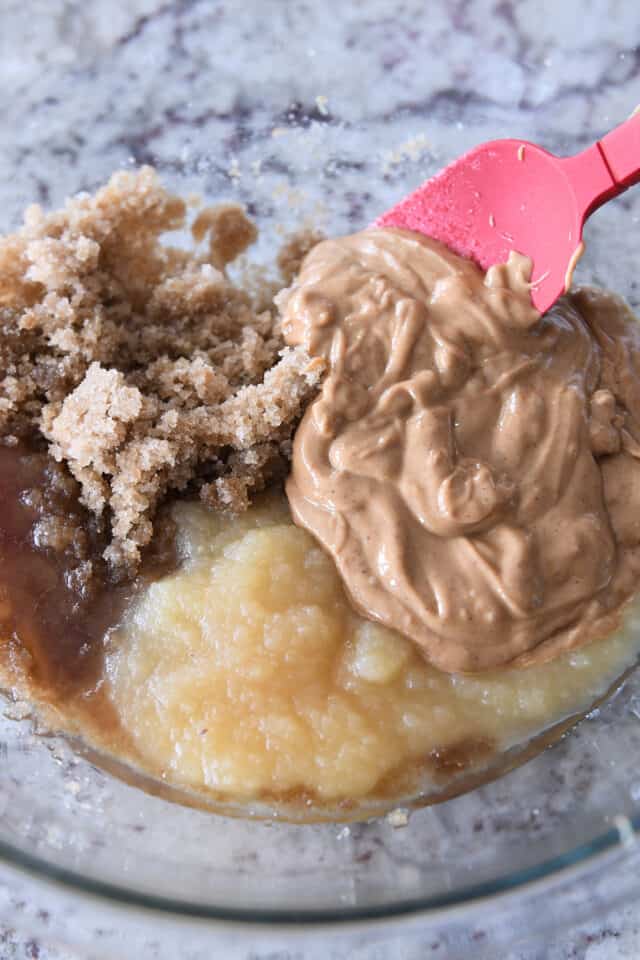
(141, 365)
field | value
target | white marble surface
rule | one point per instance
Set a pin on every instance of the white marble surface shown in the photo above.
(330, 129)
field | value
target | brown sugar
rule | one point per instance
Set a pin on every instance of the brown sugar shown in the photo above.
(142, 367)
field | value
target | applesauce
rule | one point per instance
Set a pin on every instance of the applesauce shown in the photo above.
(247, 675)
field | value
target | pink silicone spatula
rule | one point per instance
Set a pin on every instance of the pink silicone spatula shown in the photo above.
(512, 195)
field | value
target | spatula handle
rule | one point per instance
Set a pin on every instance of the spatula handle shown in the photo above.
(621, 151)
(606, 168)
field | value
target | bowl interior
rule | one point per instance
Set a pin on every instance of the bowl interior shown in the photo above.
(319, 120)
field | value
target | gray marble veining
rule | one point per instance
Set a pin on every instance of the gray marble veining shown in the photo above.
(320, 113)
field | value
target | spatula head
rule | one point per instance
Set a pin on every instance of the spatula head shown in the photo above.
(502, 196)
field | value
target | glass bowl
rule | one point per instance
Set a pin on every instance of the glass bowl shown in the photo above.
(323, 115)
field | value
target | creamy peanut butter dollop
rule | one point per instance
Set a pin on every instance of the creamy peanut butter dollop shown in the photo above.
(472, 467)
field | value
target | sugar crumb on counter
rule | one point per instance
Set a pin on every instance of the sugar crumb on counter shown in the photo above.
(398, 818)
(411, 149)
(142, 366)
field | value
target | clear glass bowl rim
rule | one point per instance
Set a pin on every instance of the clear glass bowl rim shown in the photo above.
(585, 854)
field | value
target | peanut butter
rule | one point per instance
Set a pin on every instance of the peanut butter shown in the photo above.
(472, 467)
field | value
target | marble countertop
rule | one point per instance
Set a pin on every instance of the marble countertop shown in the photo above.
(92, 87)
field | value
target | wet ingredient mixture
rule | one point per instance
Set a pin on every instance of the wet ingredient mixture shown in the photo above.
(156, 604)
(472, 468)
